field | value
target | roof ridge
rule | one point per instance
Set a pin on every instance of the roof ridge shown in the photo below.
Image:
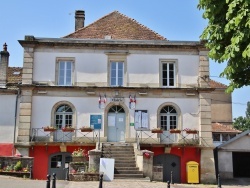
(109, 14)
(135, 21)
(91, 23)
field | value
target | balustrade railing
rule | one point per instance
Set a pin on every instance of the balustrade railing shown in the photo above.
(179, 137)
(142, 137)
(59, 135)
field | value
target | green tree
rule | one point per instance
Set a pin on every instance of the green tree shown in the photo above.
(243, 123)
(228, 38)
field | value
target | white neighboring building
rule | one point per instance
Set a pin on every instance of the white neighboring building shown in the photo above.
(9, 100)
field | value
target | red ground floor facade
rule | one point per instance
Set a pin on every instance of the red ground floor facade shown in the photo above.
(44, 156)
(185, 155)
(7, 149)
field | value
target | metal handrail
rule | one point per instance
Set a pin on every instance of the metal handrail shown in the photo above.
(39, 135)
(166, 137)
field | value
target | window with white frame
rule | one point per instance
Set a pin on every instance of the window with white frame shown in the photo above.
(222, 137)
(168, 118)
(65, 69)
(168, 73)
(63, 116)
(116, 73)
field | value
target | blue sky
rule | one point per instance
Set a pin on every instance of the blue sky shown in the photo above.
(174, 19)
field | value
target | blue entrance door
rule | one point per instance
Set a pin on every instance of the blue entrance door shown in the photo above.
(116, 124)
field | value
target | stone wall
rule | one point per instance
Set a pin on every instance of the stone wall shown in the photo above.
(84, 177)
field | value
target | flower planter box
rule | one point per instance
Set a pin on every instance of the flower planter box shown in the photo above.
(175, 131)
(68, 129)
(156, 131)
(79, 159)
(192, 132)
(86, 130)
(16, 174)
(49, 129)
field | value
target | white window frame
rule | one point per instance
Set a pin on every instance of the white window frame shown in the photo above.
(54, 112)
(64, 117)
(168, 115)
(168, 62)
(117, 58)
(221, 137)
(58, 63)
(116, 84)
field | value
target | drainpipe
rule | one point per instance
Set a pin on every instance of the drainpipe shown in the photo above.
(15, 125)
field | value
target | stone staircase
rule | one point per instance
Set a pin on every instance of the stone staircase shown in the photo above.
(125, 165)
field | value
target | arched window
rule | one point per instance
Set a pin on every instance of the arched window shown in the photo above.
(116, 109)
(168, 118)
(63, 116)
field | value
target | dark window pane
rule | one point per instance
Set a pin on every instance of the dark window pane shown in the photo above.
(164, 67)
(171, 82)
(225, 137)
(216, 137)
(232, 135)
(117, 109)
(55, 160)
(164, 82)
(171, 66)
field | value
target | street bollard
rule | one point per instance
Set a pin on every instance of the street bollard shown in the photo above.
(31, 176)
(219, 183)
(54, 180)
(171, 177)
(67, 174)
(48, 181)
(168, 184)
(100, 181)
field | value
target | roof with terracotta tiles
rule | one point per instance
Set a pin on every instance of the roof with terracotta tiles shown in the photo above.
(118, 26)
(215, 84)
(219, 127)
(14, 74)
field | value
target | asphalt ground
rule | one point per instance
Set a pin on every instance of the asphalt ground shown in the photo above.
(12, 182)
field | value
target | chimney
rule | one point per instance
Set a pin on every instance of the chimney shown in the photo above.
(4, 64)
(79, 19)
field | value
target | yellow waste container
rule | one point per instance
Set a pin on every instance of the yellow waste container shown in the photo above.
(192, 172)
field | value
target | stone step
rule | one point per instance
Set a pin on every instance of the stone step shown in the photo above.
(116, 144)
(124, 160)
(109, 155)
(126, 176)
(125, 164)
(126, 168)
(121, 152)
(118, 160)
(118, 165)
(127, 172)
(118, 149)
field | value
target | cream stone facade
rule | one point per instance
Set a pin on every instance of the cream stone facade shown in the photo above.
(131, 86)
